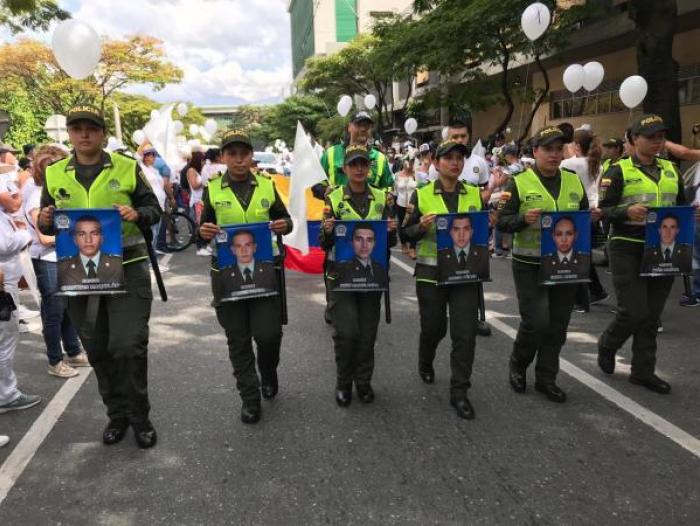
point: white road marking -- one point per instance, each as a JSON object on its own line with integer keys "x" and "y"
{"x": 402, "y": 265}
{"x": 23, "y": 453}
{"x": 641, "y": 413}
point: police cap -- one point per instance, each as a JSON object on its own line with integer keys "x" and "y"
{"x": 236, "y": 137}
{"x": 648, "y": 125}
{"x": 449, "y": 145}
{"x": 548, "y": 135}
{"x": 85, "y": 113}
{"x": 355, "y": 152}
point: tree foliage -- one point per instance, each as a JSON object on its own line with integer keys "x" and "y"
{"x": 19, "y": 15}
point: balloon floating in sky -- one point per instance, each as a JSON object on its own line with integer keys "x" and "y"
{"x": 593, "y": 74}
{"x": 139, "y": 137}
{"x": 182, "y": 109}
{"x": 633, "y": 90}
{"x": 370, "y": 101}
{"x": 77, "y": 48}
{"x": 573, "y": 78}
{"x": 535, "y": 20}
{"x": 411, "y": 125}
{"x": 344, "y": 105}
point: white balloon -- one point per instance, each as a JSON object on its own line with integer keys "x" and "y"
{"x": 344, "y": 105}
{"x": 535, "y": 20}
{"x": 370, "y": 101}
{"x": 411, "y": 125}
{"x": 633, "y": 90}
{"x": 139, "y": 137}
{"x": 178, "y": 126}
{"x": 194, "y": 143}
{"x": 77, "y": 48}
{"x": 112, "y": 141}
{"x": 194, "y": 129}
{"x": 593, "y": 73}
{"x": 210, "y": 126}
{"x": 445, "y": 133}
{"x": 182, "y": 109}
{"x": 574, "y": 77}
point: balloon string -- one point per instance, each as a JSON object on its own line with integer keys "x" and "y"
{"x": 522, "y": 105}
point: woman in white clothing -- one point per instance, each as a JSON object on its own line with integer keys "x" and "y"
{"x": 587, "y": 164}
{"x": 405, "y": 185}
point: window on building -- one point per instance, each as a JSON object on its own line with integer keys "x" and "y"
{"x": 345, "y": 20}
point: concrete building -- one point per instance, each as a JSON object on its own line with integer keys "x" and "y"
{"x": 321, "y": 27}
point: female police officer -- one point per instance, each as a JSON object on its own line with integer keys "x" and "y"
{"x": 627, "y": 189}
{"x": 355, "y": 315}
{"x": 445, "y": 195}
{"x": 545, "y": 310}
{"x": 240, "y": 197}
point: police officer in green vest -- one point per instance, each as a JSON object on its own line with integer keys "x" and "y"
{"x": 359, "y": 131}
{"x": 627, "y": 190}
{"x": 113, "y": 329}
{"x": 447, "y": 194}
{"x": 613, "y": 150}
{"x": 545, "y": 311}
{"x": 238, "y": 197}
{"x": 355, "y": 315}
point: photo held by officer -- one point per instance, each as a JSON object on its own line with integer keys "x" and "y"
{"x": 113, "y": 329}
{"x": 545, "y": 310}
{"x": 463, "y": 252}
{"x": 244, "y": 199}
{"x": 566, "y": 248}
{"x": 669, "y": 238}
{"x": 355, "y": 217}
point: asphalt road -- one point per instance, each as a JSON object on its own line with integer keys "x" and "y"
{"x": 406, "y": 459}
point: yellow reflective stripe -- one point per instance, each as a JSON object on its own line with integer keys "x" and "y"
{"x": 526, "y": 251}
{"x": 381, "y": 162}
{"x": 430, "y": 281}
{"x": 637, "y": 198}
{"x": 331, "y": 165}
{"x": 426, "y": 260}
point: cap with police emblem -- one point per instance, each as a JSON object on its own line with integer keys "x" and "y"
{"x": 449, "y": 145}
{"x": 361, "y": 116}
{"x": 548, "y": 135}
{"x": 648, "y": 125}
{"x": 236, "y": 137}
{"x": 355, "y": 152}
{"x": 614, "y": 142}
{"x": 85, "y": 113}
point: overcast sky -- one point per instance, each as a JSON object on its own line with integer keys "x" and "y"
{"x": 232, "y": 51}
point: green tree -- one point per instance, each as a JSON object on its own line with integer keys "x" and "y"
{"x": 27, "y": 121}
{"x": 280, "y": 121}
{"x": 19, "y": 15}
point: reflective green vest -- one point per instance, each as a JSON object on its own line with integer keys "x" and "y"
{"x": 228, "y": 208}
{"x": 113, "y": 185}
{"x": 641, "y": 189}
{"x": 377, "y": 164}
{"x": 343, "y": 210}
{"x": 534, "y": 195}
{"x": 606, "y": 164}
{"x": 431, "y": 203}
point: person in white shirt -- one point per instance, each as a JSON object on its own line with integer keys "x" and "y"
{"x": 423, "y": 164}
{"x": 405, "y": 185}
{"x": 13, "y": 239}
{"x": 587, "y": 163}
{"x": 213, "y": 166}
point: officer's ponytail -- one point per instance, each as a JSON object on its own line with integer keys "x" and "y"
{"x": 591, "y": 149}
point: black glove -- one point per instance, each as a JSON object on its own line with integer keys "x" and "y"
{"x": 7, "y": 305}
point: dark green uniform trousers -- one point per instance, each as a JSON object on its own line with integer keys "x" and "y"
{"x": 640, "y": 302}
{"x": 246, "y": 320}
{"x": 463, "y": 303}
{"x": 114, "y": 333}
{"x": 355, "y": 318}
{"x": 545, "y": 312}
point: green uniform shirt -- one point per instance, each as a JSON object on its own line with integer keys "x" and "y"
{"x": 333, "y": 160}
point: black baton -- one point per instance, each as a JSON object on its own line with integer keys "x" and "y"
{"x": 282, "y": 279}
{"x": 154, "y": 263}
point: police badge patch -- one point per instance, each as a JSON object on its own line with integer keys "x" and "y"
{"x": 442, "y": 223}
{"x": 62, "y": 222}
{"x": 114, "y": 185}
{"x": 341, "y": 230}
{"x": 222, "y": 237}
{"x": 265, "y": 203}
{"x": 546, "y": 221}
{"x": 651, "y": 217}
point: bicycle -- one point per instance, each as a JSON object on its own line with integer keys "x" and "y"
{"x": 180, "y": 231}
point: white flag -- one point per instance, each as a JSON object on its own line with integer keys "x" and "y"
{"x": 306, "y": 172}
{"x": 479, "y": 149}
{"x": 160, "y": 132}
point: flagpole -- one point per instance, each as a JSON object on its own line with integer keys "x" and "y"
{"x": 117, "y": 124}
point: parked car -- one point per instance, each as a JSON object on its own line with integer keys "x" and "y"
{"x": 268, "y": 162}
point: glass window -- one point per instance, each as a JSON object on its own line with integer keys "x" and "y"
{"x": 694, "y": 91}
{"x": 557, "y": 110}
{"x": 577, "y": 107}
{"x": 616, "y": 104}
{"x": 589, "y": 105}
{"x": 604, "y": 102}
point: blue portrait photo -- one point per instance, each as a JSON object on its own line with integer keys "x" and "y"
{"x": 565, "y": 247}
{"x": 668, "y": 246}
{"x": 462, "y": 247}
{"x": 89, "y": 251}
{"x": 361, "y": 256}
{"x": 245, "y": 263}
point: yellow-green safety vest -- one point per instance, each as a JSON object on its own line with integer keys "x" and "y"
{"x": 113, "y": 185}
{"x": 431, "y": 203}
{"x": 641, "y": 189}
{"x": 533, "y": 194}
{"x": 343, "y": 210}
{"x": 376, "y": 173}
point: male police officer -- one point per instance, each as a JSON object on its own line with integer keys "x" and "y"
{"x": 627, "y": 190}
{"x": 545, "y": 311}
{"x": 359, "y": 132}
{"x": 355, "y": 315}
{"x": 113, "y": 329}
{"x": 445, "y": 195}
{"x": 240, "y": 197}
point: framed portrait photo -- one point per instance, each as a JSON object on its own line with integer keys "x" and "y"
{"x": 462, "y": 248}
{"x": 565, "y": 247}
{"x": 668, "y": 241}
{"x": 361, "y": 257}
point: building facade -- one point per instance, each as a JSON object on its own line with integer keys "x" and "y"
{"x": 322, "y": 27}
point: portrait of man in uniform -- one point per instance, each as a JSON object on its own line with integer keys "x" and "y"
{"x": 565, "y": 263}
{"x": 362, "y": 272}
{"x": 91, "y": 266}
{"x": 247, "y": 275}
{"x": 669, "y": 255}
{"x": 464, "y": 261}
